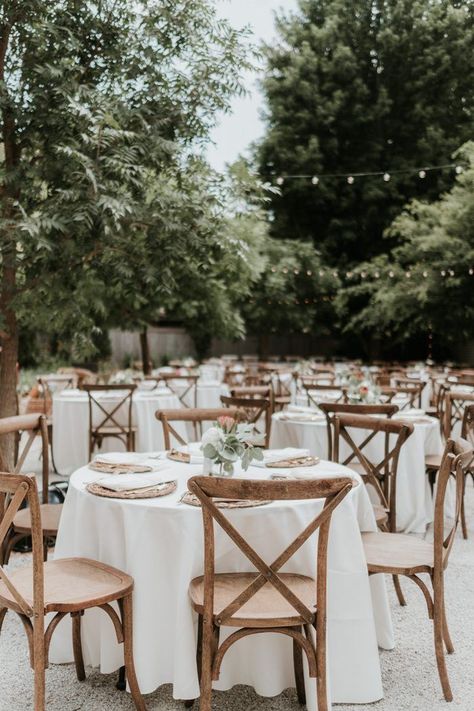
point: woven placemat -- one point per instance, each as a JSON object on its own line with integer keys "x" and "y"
{"x": 115, "y": 468}
{"x": 293, "y": 463}
{"x": 151, "y": 492}
{"x": 176, "y": 456}
{"x": 192, "y": 500}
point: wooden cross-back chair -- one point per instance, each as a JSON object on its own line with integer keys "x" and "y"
{"x": 30, "y": 426}
{"x": 281, "y": 383}
{"x": 409, "y": 556}
{"x": 196, "y": 416}
{"x": 317, "y": 393}
{"x": 332, "y": 409}
{"x": 412, "y": 389}
{"x": 110, "y": 425}
{"x": 381, "y": 475}
{"x": 189, "y": 381}
{"x": 51, "y": 384}
{"x": 260, "y": 392}
{"x": 456, "y": 402}
{"x": 266, "y": 600}
{"x": 467, "y": 434}
{"x": 254, "y": 412}
{"x": 64, "y": 587}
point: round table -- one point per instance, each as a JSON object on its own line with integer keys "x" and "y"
{"x": 71, "y": 423}
{"x": 414, "y": 499}
{"x": 160, "y": 543}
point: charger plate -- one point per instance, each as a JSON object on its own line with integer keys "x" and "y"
{"x": 192, "y": 500}
{"x": 177, "y": 456}
{"x": 151, "y": 492}
{"x": 116, "y": 468}
{"x": 293, "y": 463}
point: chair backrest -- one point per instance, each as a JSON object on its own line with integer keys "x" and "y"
{"x": 189, "y": 386}
{"x": 332, "y": 409}
{"x": 455, "y": 405}
{"x": 260, "y": 392}
{"x": 253, "y": 411}
{"x": 333, "y": 491}
{"x": 109, "y": 410}
{"x": 33, "y": 425}
{"x": 195, "y": 415}
{"x": 50, "y": 384}
{"x": 456, "y": 460}
{"x": 467, "y": 428}
{"x": 14, "y": 490}
{"x": 382, "y": 475}
{"x": 413, "y": 390}
{"x": 317, "y": 393}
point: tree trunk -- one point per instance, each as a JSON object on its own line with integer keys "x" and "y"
{"x": 145, "y": 348}
{"x": 8, "y": 362}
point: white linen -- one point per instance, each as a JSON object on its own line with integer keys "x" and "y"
{"x": 71, "y": 424}
{"x": 131, "y": 482}
{"x": 277, "y": 455}
{"x": 160, "y": 543}
{"x": 414, "y": 499}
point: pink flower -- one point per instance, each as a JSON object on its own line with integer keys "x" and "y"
{"x": 226, "y": 423}
{"x": 363, "y": 389}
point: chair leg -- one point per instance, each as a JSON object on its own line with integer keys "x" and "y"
{"x": 439, "y": 631}
{"x": 447, "y": 637}
{"x": 39, "y": 667}
{"x": 321, "y": 681}
{"x": 398, "y": 590}
{"x": 77, "y": 645}
{"x": 206, "y": 666}
{"x": 3, "y": 612}
{"x": 299, "y": 675}
{"x": 127, "y": 624}
{"x": 463, "y": 511}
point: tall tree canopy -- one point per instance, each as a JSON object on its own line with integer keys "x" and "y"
{"x": 426, "y": 286}
{"x": 359, "y": 86}
{"x": 100, "y": 103}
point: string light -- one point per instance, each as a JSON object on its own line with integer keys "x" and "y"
{"x": 386, "y": 175}
{"x": 350, "y": 179}
{"x": 422, "y": 174}
{"x": 459, "y": 169}
{"x": 315, "y": 180}
{"x": 280, "y": 180}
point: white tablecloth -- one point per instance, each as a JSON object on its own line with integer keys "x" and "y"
{"x": 160, "y": 543}
{"x": 414, "y": 500}
{"x": 71, "y": 424}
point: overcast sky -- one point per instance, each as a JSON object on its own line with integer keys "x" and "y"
{"x": 243, "y": 125}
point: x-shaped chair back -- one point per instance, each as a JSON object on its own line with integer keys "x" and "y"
{"x": 253, "y": 411}
{"x": 34, "y": 425}
{"x": 190, "y": 387}
{"x": 315, "y": 392}
{"x": 14, "y": 490}
{"x": 333, "y": 409}
{"x": 381, "y": 475}
{"x": 412, "y": 389}
{"x": 467, "y": 429}
{"x": 197, "y": 416}
{"x": 455, "y": 406}
{"x": 333, "y": 491}
{"x": 109, "y": 411}
{"x": 281, "y": 380}
{"x": 50, "y": 384}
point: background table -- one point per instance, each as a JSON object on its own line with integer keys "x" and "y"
{"x": 414, "y": 499}
{"x": 160, "y": 543}
{"x": 71, "y": 423}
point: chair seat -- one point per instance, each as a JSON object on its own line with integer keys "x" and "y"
{"x": 433, "y": 461}
{"x": 381, "y": 514}
{"x": 111, "y": 430}
{"x": 70, "y": 584}
{"x": 50, "y": 515}
{"x": 397, "y": 553}
{"x": 265, "y": 609}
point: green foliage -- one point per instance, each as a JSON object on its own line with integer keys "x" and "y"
{"x": 436, "y": 249}
{"x": 358, "y": 86}
{"x": 105, "y": 216}
{"x": 293, "y": 292}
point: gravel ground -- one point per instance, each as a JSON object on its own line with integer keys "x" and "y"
{"x": 409, "y": 671}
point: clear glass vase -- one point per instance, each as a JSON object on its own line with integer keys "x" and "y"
{"x": 213, "y": 467}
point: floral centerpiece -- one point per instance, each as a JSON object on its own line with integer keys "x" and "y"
{"x": 228, "y": 442}
{"x": 361, "y": 389}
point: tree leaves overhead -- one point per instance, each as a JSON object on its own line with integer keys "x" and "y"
{"x": 358, "y": 86}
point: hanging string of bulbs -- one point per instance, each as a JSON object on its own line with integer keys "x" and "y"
{"x": 386, "y": 175}
{"x": 392, "y": 272}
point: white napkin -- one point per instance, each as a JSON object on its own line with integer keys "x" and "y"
{"x": 277, "y": 455}
{"x": 130, "y": 482}
{"x": 194, "y": 451}
{"x": 135, "y": 458}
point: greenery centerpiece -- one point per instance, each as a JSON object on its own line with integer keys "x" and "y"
{"x": 228, "y": 442}
{"x": 361, "y": 389}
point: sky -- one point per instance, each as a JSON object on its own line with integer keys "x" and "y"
{"x": 237, "y": 129}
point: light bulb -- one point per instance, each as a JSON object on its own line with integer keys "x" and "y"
{"x": 459, "y": 169}
{"x": 350, "y": 179}
{"x": 280, "y": 180}
{"x": 422, "y": 174}
{"x": 315, "y": 180}
{"x": 386, "y": 177}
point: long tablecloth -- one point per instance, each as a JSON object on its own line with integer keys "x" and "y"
{"x": 160, "y": 543}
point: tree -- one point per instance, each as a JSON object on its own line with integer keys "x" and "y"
{"x": 100, "y": 104}
{"x": 359, "y": 86}
{"x": 293, "y": 293}
{"x": 426, "y": 285}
